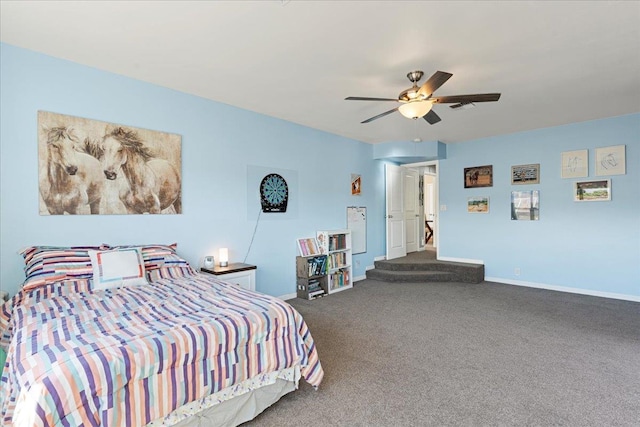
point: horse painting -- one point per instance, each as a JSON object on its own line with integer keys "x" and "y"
{"x": 70, "y": 180}
{"x": 153, "y": 184}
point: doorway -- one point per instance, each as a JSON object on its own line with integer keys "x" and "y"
{"x": 411, "y": 201}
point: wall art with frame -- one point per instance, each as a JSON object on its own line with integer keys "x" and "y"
{"x": 525, "y": 205}
{"x": 525, "y": 174}
{"x": 575, "y": 164}
{"x": 592, "y": 191}
{"x": 478, "y": 176}
{"x": 610, "y": 160}
{"x": 478, "y": 204}
{"x": 356, "y": 184}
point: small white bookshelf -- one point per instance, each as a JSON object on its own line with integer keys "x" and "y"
{"x": 336, "y": 244}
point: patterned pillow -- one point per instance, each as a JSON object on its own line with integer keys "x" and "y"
{"x": 118, "y": 267}
{"x": 154, "y": 256}
{"x": 47, "y": 264}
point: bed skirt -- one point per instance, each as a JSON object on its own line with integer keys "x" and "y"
{"x": 237, "y": 404}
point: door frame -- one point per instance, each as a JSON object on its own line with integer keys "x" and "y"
{"x": 436, "y": 231}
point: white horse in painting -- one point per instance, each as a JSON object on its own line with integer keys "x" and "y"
{"x": 70, "y": 179}
{"x": 153, "y": 184}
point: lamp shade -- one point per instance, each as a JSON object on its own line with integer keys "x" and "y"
{"x": 224, "y": 257}
{"x": 415, "y": 109}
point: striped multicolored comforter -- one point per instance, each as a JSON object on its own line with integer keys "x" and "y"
{"x": 127, "y": 356}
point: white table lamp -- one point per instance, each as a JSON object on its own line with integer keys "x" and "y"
{"x": 224, "y": 257}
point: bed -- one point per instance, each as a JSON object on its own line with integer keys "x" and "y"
{"x": 92, "y": 338}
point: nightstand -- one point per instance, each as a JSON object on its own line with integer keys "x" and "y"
{"x": 241, "y": 274}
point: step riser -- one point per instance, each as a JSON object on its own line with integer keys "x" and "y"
{"x": 418, "y": 278}
{"x": 426, "y": 267}
{"x": 427, "y": 272}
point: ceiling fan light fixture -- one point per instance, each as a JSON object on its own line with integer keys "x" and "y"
{"x": 415, "y": 109}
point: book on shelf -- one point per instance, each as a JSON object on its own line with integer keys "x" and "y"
{"x": 308, "y": 246}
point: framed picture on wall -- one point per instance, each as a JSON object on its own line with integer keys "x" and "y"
{"x": 478, "y": 176}
{"x": 575, "y": 164}
{"x": 525, "y": 174}
{"x": 592, "y": 191}
{"x": 356, "y": 184}
{"x": 478, "y": 204}
{"x": 525, "y": 205}
{"x": 610, "y": 160}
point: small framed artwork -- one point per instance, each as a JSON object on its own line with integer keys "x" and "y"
{"x": 525, "y": 174}
{"x": 610, "y": 160}
{"x": 592, "y": 191}
{"x": 356, "y": 184}
{"x": 525, "y": 205}
{"x": 575, "y": 164}
{"x": 478, "y": 205}
{"x": 478, "y": 176}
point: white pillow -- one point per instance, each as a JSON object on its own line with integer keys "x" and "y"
{"x": 116, "y": 268}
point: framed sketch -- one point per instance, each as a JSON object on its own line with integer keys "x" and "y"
{"x": 592, "y": 191}
{"x": 525, "y": 174}
{"x": 356, "y": 184}
{"x": 610, "y": 160}
{"x": 575, "y": 164}
{"x": 478, "y": 204}
{"x": 478, "y": 176}
{"x": 525, "y": 205}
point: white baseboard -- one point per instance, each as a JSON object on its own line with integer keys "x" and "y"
{"x": 592, "y": 293}
{"x": 288, "y": 296}
{"x": 465, "y": 260}
{"x": 358, "y": 278}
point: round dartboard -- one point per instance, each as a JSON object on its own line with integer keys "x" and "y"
{"x": 274, "y": 193}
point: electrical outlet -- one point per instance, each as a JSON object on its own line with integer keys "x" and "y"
{"x": 358, "y": 264}
{"x": 517, "y": 271}
{"x": 443, "y": 208}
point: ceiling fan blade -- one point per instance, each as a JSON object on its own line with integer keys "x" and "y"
{"x": 465, "y": 99}
{"x": 361, "y": 98}
{"x": 435, "y": 81}
{"x": 380, "y": 115}
{"x": 432, "y": 118}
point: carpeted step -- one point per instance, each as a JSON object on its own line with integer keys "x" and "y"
{"x": 462, "y": 272}
{"x": 412, "y": 276}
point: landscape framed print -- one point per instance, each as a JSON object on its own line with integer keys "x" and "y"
{"x": 592, "y": 191}
{"x": 478, "y": 204}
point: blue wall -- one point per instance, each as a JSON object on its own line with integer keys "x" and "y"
{"x": 591, "y": 247}
{"x": 583, "y": 247}
{"x": 222, "y": 148}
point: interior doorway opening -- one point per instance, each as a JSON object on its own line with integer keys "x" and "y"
{"x": 412, "y": 208}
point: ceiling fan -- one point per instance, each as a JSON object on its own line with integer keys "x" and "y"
{"x": 417, "y": 101}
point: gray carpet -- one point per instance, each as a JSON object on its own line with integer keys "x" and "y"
{"x": 452, "y": 354}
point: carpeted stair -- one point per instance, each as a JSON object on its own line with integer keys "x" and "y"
{"x": 421, "y": 267}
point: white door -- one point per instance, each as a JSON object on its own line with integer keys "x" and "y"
{"x": 411, "y": 209}
{"x": 396, "y": 247}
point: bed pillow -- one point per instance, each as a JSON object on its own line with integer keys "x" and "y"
{"x": 48, "y": 264}
{"x": 154, "y": 256}
{"x": 118, "y": 267}
{"x": 173, "y": 267}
